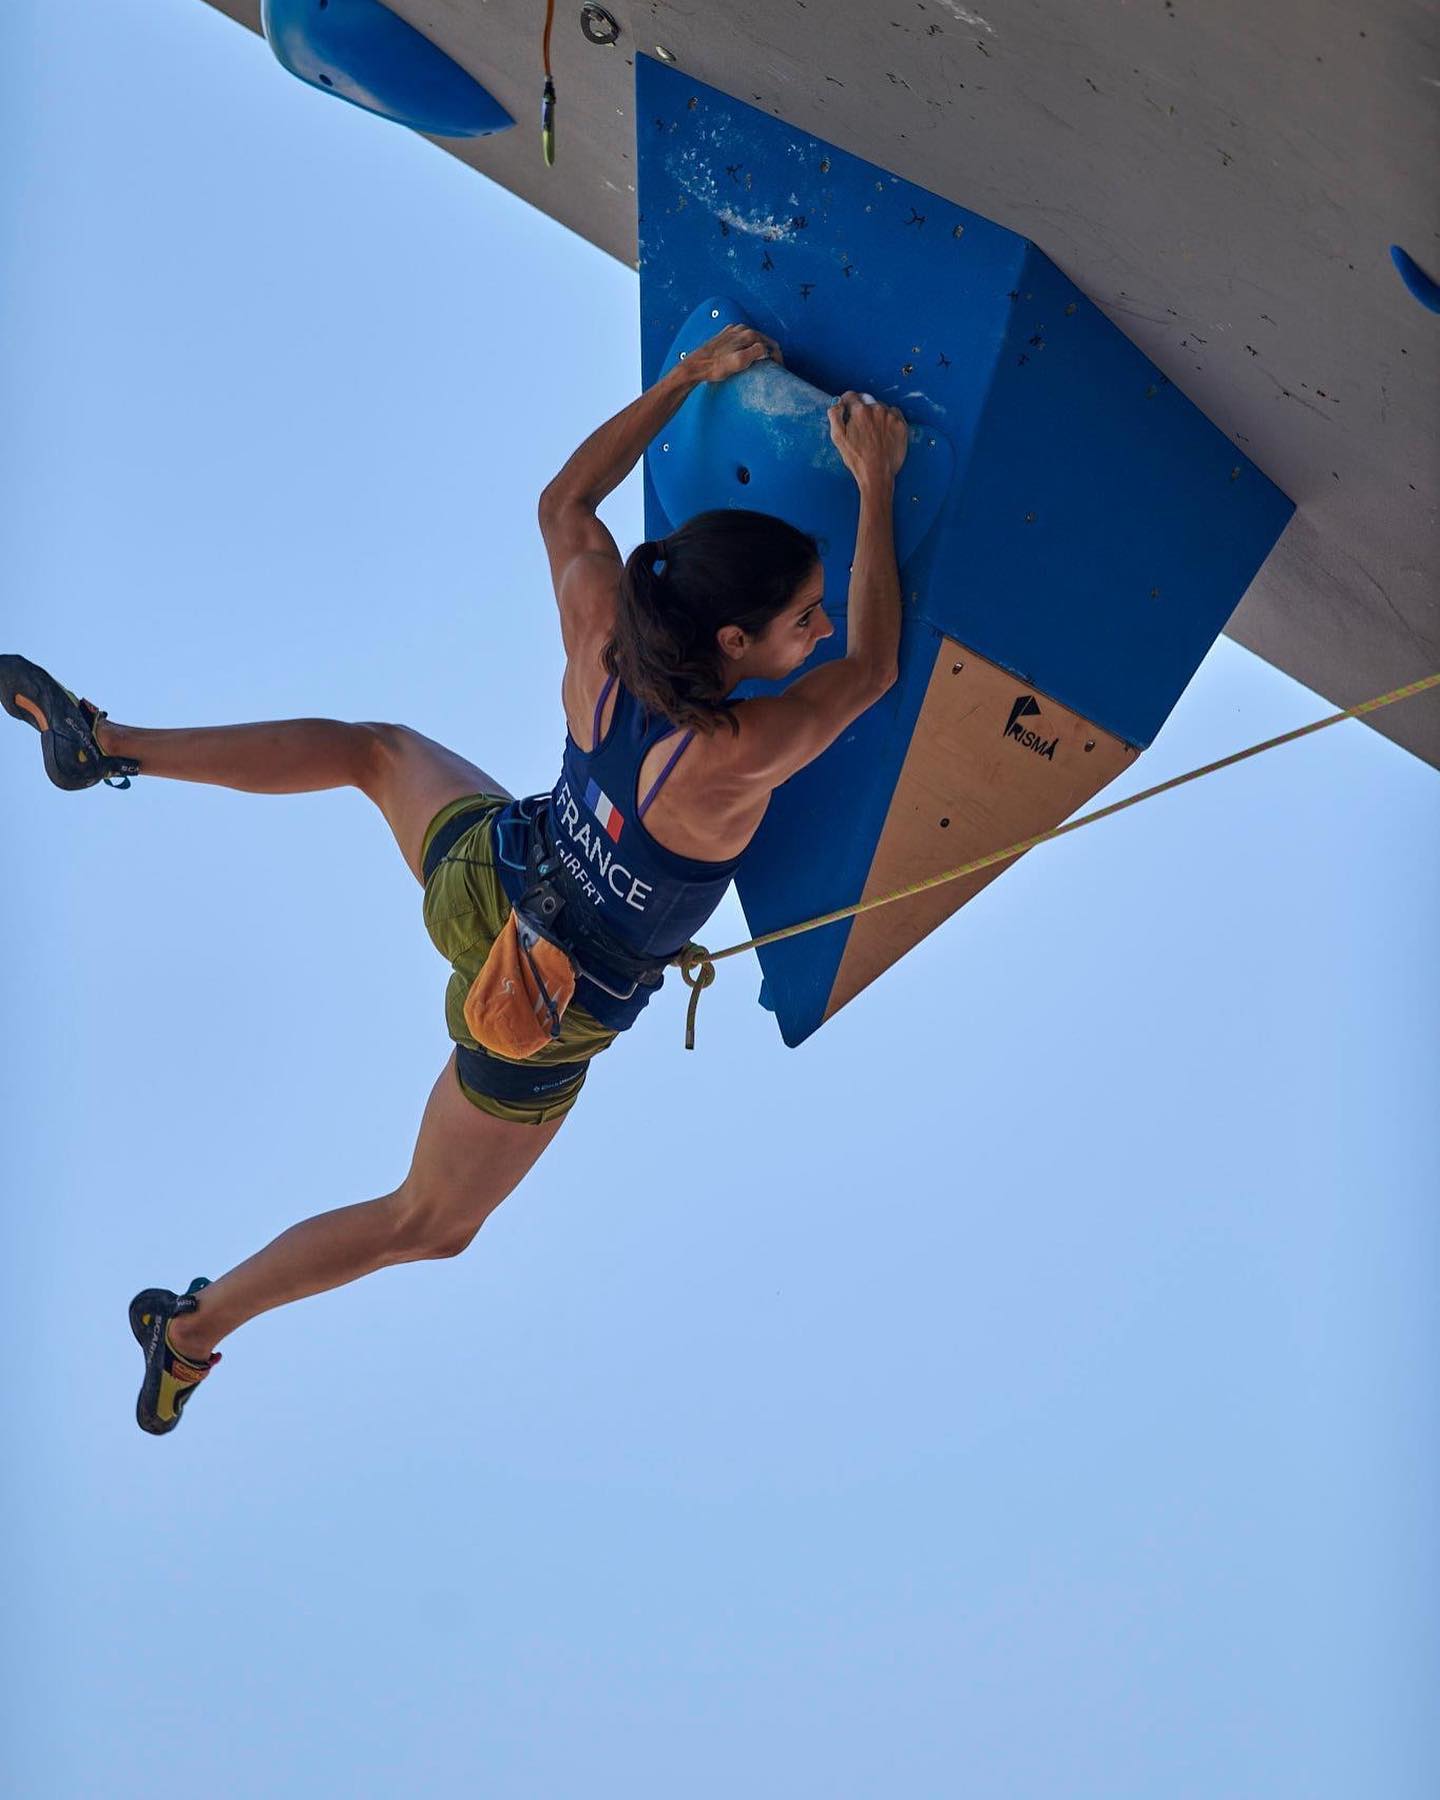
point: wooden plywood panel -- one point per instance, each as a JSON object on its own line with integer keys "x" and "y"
{"x": 992, "y": 761}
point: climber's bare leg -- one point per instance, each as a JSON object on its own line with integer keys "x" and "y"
{"x": 408, "y": 776}
{"x": 465, "y": 1163}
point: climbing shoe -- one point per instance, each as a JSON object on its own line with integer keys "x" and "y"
{"x": 170, "y": 1378}
{"x": 72, "y": 754}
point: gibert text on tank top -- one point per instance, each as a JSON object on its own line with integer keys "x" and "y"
{"x": 650, "y": 898}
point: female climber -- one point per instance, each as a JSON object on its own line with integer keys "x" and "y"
{"x": 557, "y": 913}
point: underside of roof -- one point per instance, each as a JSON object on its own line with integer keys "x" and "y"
{"x": 1224, "y": 181}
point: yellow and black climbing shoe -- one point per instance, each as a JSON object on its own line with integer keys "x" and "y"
{"x": 73, "y": 757}
{"x": 170, "y": 1378}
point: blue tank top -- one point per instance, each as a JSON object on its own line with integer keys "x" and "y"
{"x": 650, "y": 898}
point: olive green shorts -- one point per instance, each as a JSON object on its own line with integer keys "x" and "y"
{"x": 465, "y": 909}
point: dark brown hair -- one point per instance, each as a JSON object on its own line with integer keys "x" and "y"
{"x": 729, "y": 567}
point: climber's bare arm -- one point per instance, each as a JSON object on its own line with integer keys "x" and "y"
{"x": 572, "y": 531}
{"x": 567, "y": 506}
{"x": 779, "y": 736}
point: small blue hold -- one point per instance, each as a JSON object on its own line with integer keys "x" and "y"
{"x": 360, "y": 51}
{"x": 1426, "y": 291}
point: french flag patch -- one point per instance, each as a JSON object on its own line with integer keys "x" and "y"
{"x": 605, "y": 810}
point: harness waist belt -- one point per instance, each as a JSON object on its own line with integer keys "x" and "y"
{"x": 554, "y": 903}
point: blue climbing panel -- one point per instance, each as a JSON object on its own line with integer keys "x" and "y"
{"x": 360, "y": 51}
{"x": 1064, "y": 510}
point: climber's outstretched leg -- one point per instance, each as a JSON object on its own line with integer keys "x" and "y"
{"x": 464, "y": 1165}
{"x": 409, "y": 777}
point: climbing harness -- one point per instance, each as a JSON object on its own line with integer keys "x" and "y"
{"x": 697, "y": 964}
{"x": 517, "y": 1000}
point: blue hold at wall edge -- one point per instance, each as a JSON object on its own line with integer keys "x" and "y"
{"x": 360, "y": 51}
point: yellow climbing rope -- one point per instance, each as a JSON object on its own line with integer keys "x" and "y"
{"x": 697, "y": 964}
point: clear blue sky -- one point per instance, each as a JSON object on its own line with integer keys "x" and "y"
{"x": 1026, "y": 1389}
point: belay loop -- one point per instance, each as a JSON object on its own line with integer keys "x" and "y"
{"x": 697, "y": 971}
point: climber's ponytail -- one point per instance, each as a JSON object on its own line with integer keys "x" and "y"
{"x": 728, "y": 567}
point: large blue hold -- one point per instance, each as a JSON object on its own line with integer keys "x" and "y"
{"x": 1098, "y": 530}
{"x": 769, "y": 431}
{"x": 360, "y": 51}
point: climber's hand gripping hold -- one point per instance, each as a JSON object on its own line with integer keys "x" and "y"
{"x": 871, "y": 438}
{"x": 731, "y": 351}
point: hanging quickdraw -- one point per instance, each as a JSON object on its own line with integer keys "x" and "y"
{"x": 547, "y": 95}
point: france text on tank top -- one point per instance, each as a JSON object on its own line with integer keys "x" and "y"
{"x": 653, "y": 899}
